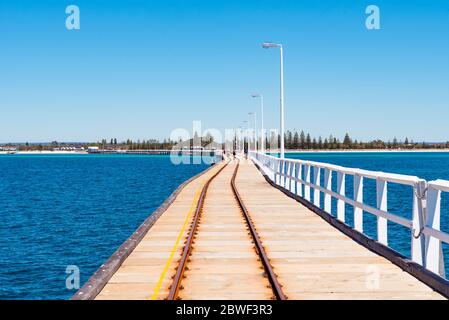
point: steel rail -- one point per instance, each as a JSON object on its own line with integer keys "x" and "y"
{"x": 174, "y": 289}
{"x": 272, "y": 278}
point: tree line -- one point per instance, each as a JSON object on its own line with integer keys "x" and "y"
{"x": 130, "y": 144}
{"x": 154, "y": 144}
{"x": 295, "y": 140}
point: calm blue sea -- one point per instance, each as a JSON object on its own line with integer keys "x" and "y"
{"x": 62, "y": 210}
{"x": 426, "y": 165}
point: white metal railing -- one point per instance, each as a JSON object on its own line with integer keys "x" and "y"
{"x": 426, "y": 245}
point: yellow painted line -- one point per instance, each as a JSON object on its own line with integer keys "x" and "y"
{"x": 175, "y": 247}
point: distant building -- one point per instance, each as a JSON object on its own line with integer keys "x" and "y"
{"x": 69, "y": 148}
{"x": 7, "y": 148}
{"x": 93, "y": 149}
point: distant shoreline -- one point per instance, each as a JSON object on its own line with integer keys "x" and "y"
{"x": 44, "y": 152}
{"x": 48, "y": 152}
{"x": 363, "y": 150}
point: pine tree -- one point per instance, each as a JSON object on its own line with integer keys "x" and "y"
{"x": 336, "y": 143}
{"x": 296, "y": 140}
{"x": 308, "y": 142}
{"x": 289, "y": 142}
{"x": 347, "y": 141}
{"x": 302, "y": 140}
{"x": 196, "y": 141}
{"x": 331, "y": 142}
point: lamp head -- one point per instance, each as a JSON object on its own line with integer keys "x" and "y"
{"x": 267, "y": 45}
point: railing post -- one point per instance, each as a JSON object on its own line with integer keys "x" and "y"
{"x": 341, "y": 191}
{"x": 282, "y": 171}
{"x": 267, "y": 166}
{"x": 434, "y": 261}
{"x": 419, "y": 207}
{"x": 278, "y": 171}
{"x": 382, "y": 223}
{"x": 299, "y": 176}
{"x": 282, "y": 182}
{"x": 307, "y": 179}
{"x": 291, "y": 167}
{"x": 295, "y": 170}
{"x": 286, "y": 172}
{"x": 327, "y": 186}
{"x": 316, "y": 181}
{"x": 358, "y": 196}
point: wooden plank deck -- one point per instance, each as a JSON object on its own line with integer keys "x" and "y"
{"x": 312, "y": 259}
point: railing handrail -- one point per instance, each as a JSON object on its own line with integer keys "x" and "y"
{"x": 424, "y": 225}
{"x": 390, "y": 177}
{"x": 442, "y": 185}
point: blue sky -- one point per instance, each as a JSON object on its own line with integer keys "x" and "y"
{"x": 139, "y": 69}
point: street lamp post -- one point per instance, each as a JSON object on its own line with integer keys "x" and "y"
{"x": 262, "y": 145}
{"x": 250, "y": 136}
{"x": 255, "y": 128}
{"x": 268, "y": 45}
{"x": 236, "y": 140}
{"x": 240, "y": 138}
{"x": 256, "y": 135}
{"x": 246, "y": 137}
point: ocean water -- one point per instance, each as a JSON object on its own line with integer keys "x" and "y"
{"x": 426, "y": 165}
{"x": 61, "y": 210}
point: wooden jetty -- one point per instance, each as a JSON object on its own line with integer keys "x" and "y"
{"x": 174, "y": 152}
{"x": 232, "y": 233}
